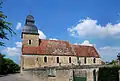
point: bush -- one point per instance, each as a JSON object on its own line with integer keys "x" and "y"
{"x": 8, "y": 66}
{"x": 109, "y": 73}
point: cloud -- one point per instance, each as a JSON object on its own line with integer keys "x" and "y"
{"x": 18, "y": 44}
{"x": 86, "y": 43}
{"x": 109, "y": 53}
{"x": 90, "y": 28}
{"x": 53, "y": 39}
{"x": 13, "y": 51}
{"x": 41, "y": 35}
{"x": 19, "y": 26}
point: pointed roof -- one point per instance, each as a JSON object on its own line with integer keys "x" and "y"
{"x": 29, "y": 27}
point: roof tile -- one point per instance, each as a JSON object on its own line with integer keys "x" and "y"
{"x": 58, "y": 47}
{"x": 85, "y": 51}
{"x": 54, "y": 47}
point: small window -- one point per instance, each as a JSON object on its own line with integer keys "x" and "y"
{"x": 30, "y": 42}
{"x": 94, "y": 60}
{"x": 57, "y": 59}
{"x": 51, "y": 72}
{"x": 69, "y": 59}
{"x": 78, "y": 58}
{"x": 85, "y": 60}
{"x": 37, "y": 59}
{"x": 45, "y": 59}
{"x": 79, "y": 61}
{"x": 39, "y": 41}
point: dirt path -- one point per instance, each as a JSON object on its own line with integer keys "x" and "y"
{"x": 13, "y": 77}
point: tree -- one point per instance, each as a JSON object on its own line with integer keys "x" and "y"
{"x": 1, "y": 61}
{"x": 113, "y": 62}
{"x": 5, "y": 27}
{"x": 8, "y": 66}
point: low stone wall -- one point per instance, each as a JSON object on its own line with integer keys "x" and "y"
{"x": 42, "y": 75}
{"x": 57, "y": 75}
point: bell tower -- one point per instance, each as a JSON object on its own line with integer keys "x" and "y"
{"x": 30, "y": 35}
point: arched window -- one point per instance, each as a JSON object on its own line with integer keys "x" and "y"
{"x": 85, "y": 60}
{"x": 37, "y": 59}
{"x": 57, "y": 59}
{"x": 69, "y": 59}
{"x": 30, "y": 41}
{"x": 94, "y": 60}
{"x": 79, "y": 61}
{"x": 45, "y": 59}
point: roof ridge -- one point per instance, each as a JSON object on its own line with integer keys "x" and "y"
{"x": 82, "y": 45}
{"x": 55, "y": 40}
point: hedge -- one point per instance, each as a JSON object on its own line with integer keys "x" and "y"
{"x": 109, "y": 73}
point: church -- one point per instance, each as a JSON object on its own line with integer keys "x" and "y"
{"x": 38, "y": 52}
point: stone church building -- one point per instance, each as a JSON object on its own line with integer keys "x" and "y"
{"x": 38, "y": 52}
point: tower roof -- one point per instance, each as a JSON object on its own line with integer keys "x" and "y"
{"x": 30, "y": 17}
{"x": 29, "y": 26}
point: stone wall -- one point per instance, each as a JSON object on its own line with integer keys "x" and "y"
{"x": 34, "y": 40}
{"x": 32, "y": 61}
{"x": 60, "y": 75}
{"x": 89, "y": 61}
{"x": 42, "y": 75}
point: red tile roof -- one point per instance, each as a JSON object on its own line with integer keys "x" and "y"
{"x": 85, "y": 51}
{"x": 54, "y": 47}
{"x": 58, "y": 47}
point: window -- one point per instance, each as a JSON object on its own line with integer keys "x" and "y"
{"x": 69, "y": 59}
{"x": 85, "y": 60}
{"x": 79, "y": 61}
{"x": 39, "y": 41}
{"x": 37, "y": 59}
{"x": 51, "y": 72}
{"x": 78, "y": 58}
{"x": 30, "y": 42}
{"x": 94, "y": 60}
{"x": 57, "y": 59}
{"x": 45, "y": 59}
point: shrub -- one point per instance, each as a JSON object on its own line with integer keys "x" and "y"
{"x": 8, "y": 66}
{"x": 109, "y": 73}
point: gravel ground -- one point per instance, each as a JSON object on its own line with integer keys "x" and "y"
{"x": 13, "y": 77}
